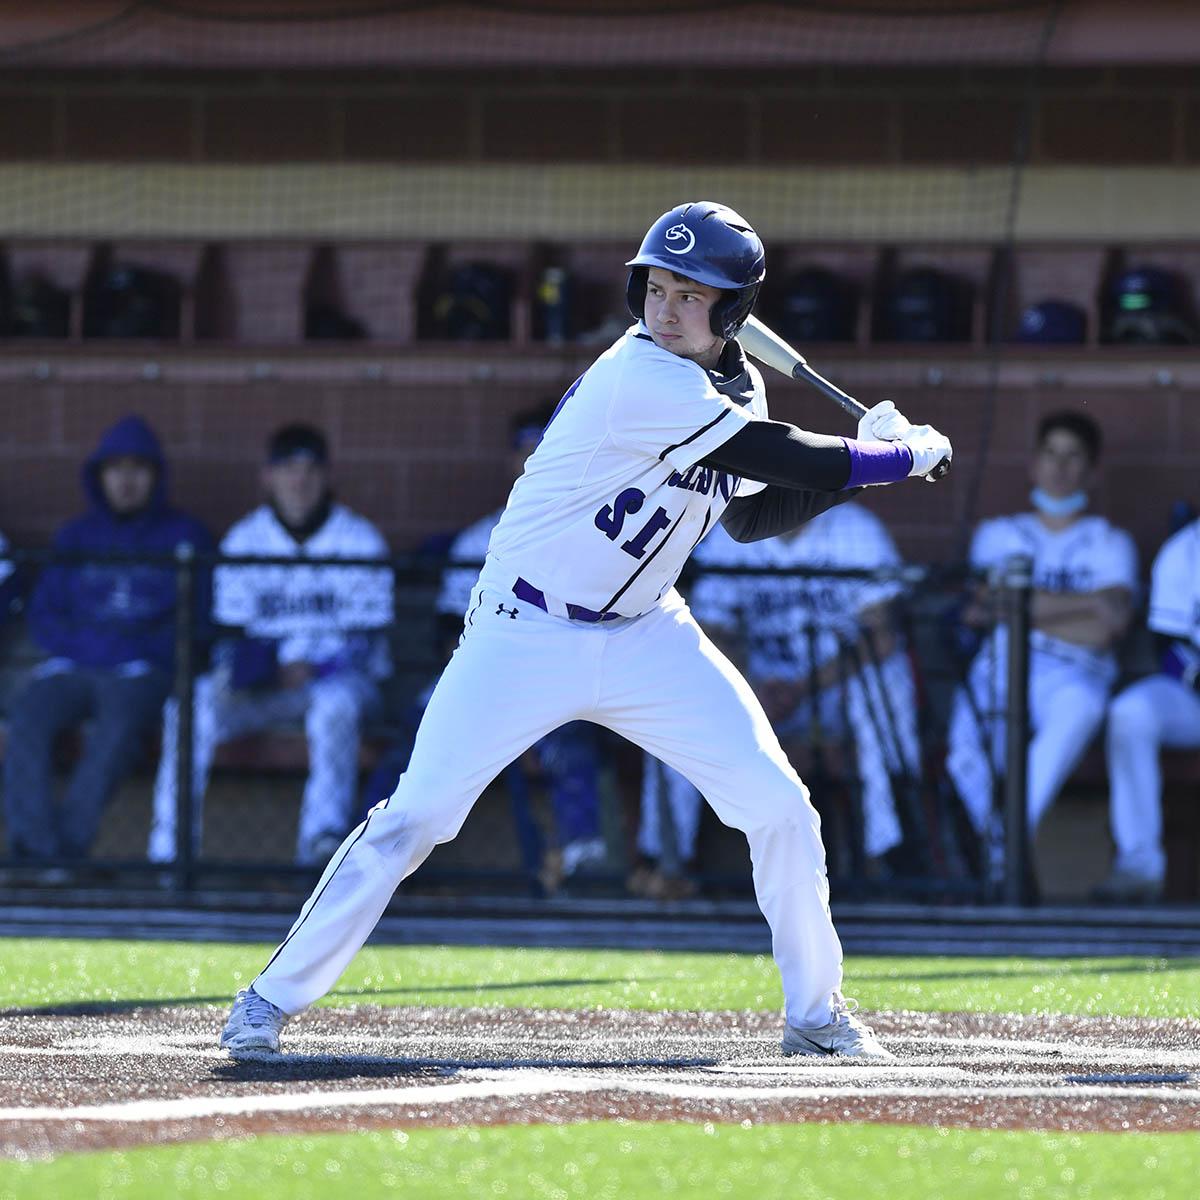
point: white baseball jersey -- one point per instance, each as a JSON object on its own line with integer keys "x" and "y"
{"x": 1175, "y": 586}
{"x": 469, "y": 547}
{"x": 1086, "y": 556}
{"x": 318, "y": 613}
{"x": 613, "y": 500}
{"x": 777, "y": 610}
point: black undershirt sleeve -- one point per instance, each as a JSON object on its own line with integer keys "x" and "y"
{"x": 805, "y": 474}
{"x": 775, "y": 452}
{"x": 777, "y": 510}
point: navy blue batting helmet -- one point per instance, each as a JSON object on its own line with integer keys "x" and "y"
{"x": 711, "y": 244}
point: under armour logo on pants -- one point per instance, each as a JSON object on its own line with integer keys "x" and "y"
{"x": 512, "y": 612}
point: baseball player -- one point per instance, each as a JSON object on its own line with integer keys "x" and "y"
{"x": 1162, "y": 710}
{"x": 575, "y": 616}
{"x": 107, "y": 632}
{"x": 314, "y": 649}
{"x": 1084, "y": 581}
{"x": 820, "y": 650}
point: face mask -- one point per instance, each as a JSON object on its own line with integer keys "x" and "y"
{"x": 1058, "y": 506}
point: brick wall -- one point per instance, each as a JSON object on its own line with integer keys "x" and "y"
{"x": 418, "y": 458}
{"x": 424, "y": 448}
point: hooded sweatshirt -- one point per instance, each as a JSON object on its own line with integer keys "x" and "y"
{"x": 108, "y": 614}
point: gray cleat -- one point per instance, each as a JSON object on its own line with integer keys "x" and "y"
{"x": 844, "y": 1037}
{"x": 253, "y": 1025}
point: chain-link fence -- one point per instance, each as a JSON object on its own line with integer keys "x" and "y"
{"x": 269, "y": 702}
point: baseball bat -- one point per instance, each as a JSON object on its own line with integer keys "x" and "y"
{"x": 768, "y": 347}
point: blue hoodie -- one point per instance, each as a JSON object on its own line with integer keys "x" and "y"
{"x": 107, "y": 614}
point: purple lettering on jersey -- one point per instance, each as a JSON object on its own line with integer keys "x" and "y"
{"x": 637, "y": 545}
{"x": 705, "y": 480}
{"x": 612, "y": 516}
{"x": 877, "y": 462}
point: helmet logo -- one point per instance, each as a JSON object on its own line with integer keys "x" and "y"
{"x": 681, "y": 234}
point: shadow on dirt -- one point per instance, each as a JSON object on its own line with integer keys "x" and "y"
{"x": 291, "y": 1068}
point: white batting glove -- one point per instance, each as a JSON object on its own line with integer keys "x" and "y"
{"x": 883, "y": 423}
{"x": 928, "y": 447}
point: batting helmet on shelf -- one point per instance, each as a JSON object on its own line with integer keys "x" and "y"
{"x": 711, "y": 244}
{"x": 1053, "y": 321}
{"x": 1148, "y": 305}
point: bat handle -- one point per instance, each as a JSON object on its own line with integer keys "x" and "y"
{"x": 854, "y": 407}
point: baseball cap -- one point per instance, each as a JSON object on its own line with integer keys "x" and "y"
{"x": 297, "y": 441}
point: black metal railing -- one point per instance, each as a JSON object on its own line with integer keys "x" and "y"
{"x": 944, "y": 857}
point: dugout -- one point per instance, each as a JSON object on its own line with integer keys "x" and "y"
{"x": 289, "y": 158}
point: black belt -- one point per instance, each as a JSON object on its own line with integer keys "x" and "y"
{"x": 575, "y": 612}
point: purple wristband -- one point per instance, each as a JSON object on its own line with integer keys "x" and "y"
{"x": 877, "y": 462}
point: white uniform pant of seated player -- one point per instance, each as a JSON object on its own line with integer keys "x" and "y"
{"x": 519, "y": 672}
{"x": 664, "y": 788}
{"x": 879, "y": 708}
{"x": 878, "y": 711}
{"x": 1152, "y": 713}
{"x": 1067, "y": 699}
{"x": 332, "y": 710}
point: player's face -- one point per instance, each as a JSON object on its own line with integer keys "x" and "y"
{"x": 296, "y": 486}
{"x": 127, "y": 483}
{"x": 676, "y": 314}
{"x": 1061, "y": 466}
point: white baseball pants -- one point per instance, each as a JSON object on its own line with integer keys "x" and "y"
{"x": 1067, "y": 699}
{"x": 1152, "y": 713}
{"x": 657, "y": 680}
{"x": 331, "y": 710}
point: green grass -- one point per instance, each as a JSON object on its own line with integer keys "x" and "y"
{"x": 629, "y": 1161}
{"x": 38, "y": 973}
{"x": 621, "y": 1160}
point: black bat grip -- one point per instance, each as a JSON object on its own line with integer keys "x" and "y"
{"x": 854, "y": 407}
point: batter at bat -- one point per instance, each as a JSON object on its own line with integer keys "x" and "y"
{"x": 575, "y": 617}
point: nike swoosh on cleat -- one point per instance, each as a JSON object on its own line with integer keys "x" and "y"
{"x": 817, "y": 1046}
